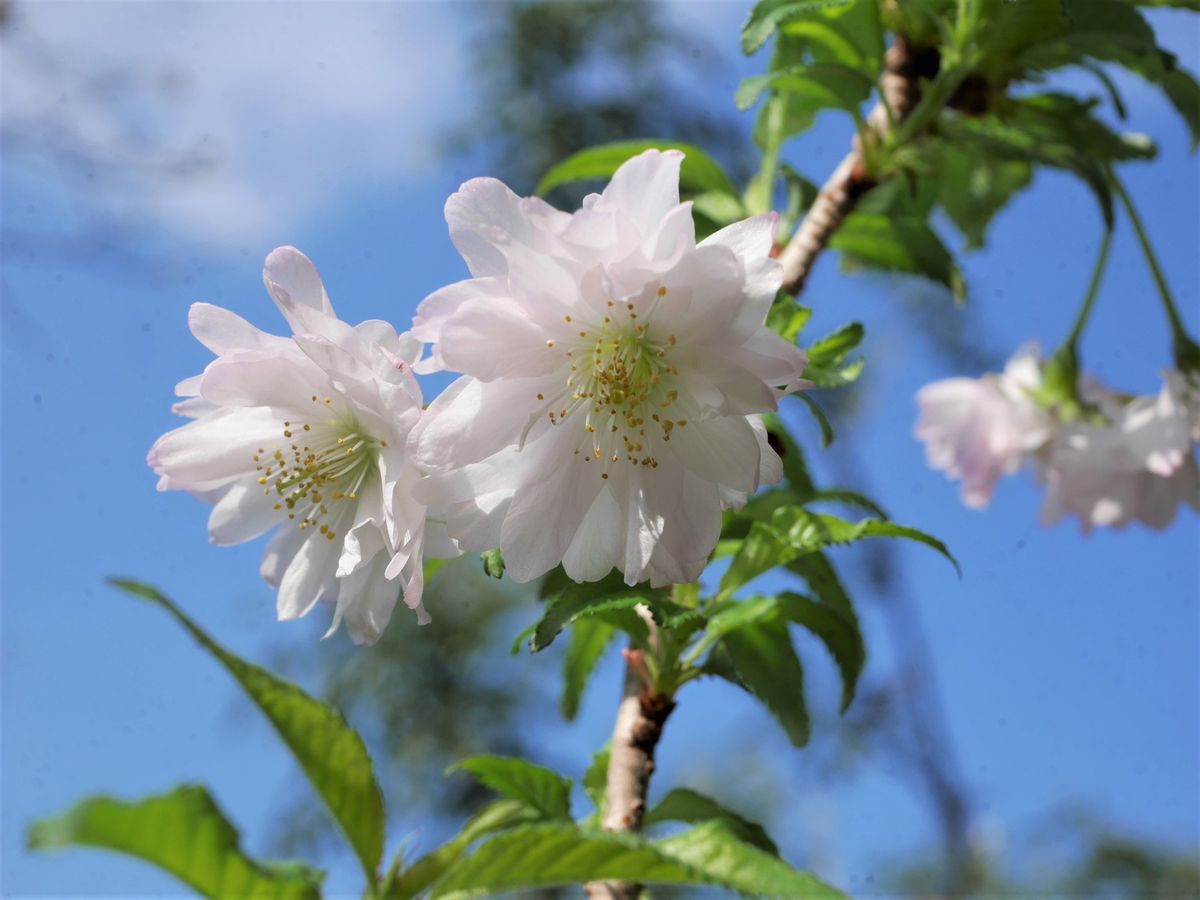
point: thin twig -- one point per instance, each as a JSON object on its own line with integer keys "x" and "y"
{"x": 849, "y": 181}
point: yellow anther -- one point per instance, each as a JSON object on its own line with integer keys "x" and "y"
{"x": 662, "y": 292}
{"x": 549, "y": 343}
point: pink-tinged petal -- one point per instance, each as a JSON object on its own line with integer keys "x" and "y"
{"x": 776, "y": 362}
{"x": 189, "y": 387}
{"x": 213, "y": 450}
{"x": 484, "y": 213}
{"x": 494, "y": 340}
{"x": 222, "y": 331}
{"x": 193, "y": 407}
{"x": 293, "y": 283}
{"x": 596, "y": 547}
{"x": 243, "y": 513}
{"x": 645, "y": 189}
{"x": 692, "y": 526}
{"x": 751, "y": 241}
{"x": 476, "y": 523}
{"x": 676, "y": 234}
{"x": 471, "y": 420}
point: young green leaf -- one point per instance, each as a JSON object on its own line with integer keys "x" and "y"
{"x": 699, "y": 174}
{"x": 595, "y": 779}
{"x": 183, "y": 833}
{"x": 767, "y": 15}
{"x": 618, "y": 611}
{"x": 589, "y": 639}
{"x": 493, "y": 563}
{"x": 826, "y": 85}
{"x": 692, "y": 807}
{"x": 536, "y": 786}
{"x": 329, "y": 751}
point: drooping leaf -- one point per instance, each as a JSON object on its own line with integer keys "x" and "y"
{"x": 183, "y": 833}
{"x": 766, "y": 16}
{"x": 617, "y": 610}
{"x": 328, "y": 750}
{"x": 787, "y": 318}
{"x": 825, "y": 85}
{"x": 699, "y": 174}
{"x": 767, "y": 666}
{"x": 692, "y": 807}
{"x": 837, "y": 630}
{"x": 536, "y": 786}
{"x": 589, "y": 639}
{"x": 849, "y": 498}
{"x": 730, "y": 617}
{"x": 403, "y": 884}
{"x": 973, "y": 186}
{"x": 906, "y": 245}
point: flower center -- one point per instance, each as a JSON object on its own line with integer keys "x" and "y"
{"x": 322, "y": 464}
{"x": 619, "y": 384}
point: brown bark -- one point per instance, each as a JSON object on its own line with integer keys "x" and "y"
{"x": 636, "y": 732}
{"x": 849, "y": 181}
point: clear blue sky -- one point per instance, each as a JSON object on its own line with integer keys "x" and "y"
{"x": 1069, "y": 666}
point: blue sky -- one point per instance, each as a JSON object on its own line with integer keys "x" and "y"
{"x": 1068, "y": 665}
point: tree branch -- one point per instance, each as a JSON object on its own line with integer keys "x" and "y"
{"x": 850, "y": 180}
{"x": 636, "y": 732}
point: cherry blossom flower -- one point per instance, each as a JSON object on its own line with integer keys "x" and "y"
{"x": 615, "y": 373}
{"x": 1136, "y": 464}
{"x": 306, "y": 436}
{"x": 978, "y": 429}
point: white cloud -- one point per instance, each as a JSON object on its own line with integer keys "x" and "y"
{"x": 297, "y": 103}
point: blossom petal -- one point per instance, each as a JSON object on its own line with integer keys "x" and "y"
{"x": 293, "y": 283}
{"x": 646, "y": 188}
{"x": 242, "y": 514}
{"x": 596, "y": 547}
{"x": 212, "y": 450}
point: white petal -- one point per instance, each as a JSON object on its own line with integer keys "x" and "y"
{"x": 281, "y": 550}
{"x": 293, "y": 283}
{"x": 597, "y": 545}
{"x": 721, "y": 451}
{"x": 222, "y": 331}
{"x": 256, "y": 379}
{"x": 309, "y": 576}
{"x": 645, "y": 188}
{"x": 214, "y": 449}
{"x": 243, "y": 513}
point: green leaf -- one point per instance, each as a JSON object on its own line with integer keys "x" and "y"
{"x": 837, "y": 630}
{"x": 808, "y": 530}
{"x": 329, "y": 751}
{"x": 692, "y": 807}
{"x": 787, "y": 318}
{"x": 767, "y": 665}
{"x": 730, "y": 617}
{"x": 617, "y": 611}
{"x": 973, "y": 186}
{"x": 905, "y": 245}
{"x": 795, "y": 467}
{"x": 825, "y": 85}
{"x": 561, "y": 854}
{"x": 720, "y": 208}
{"x": 832, "y": 349}
{"x": 183, "y": 833}
{"x": 499, "y": 816}
{"x": 595, "y": 779}
{"x": 699, "y": 174}
{"x": 590, "y": 637}
{"x": 741, "y": 867}
{"x": 538, "y": 787}
{"x": 850, "y": 498}
{"x": 767, "y": 15}
{"x": 493, "y": 563}
{"x": 764, "y": 548}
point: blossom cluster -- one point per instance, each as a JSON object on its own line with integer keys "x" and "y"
{"x": 1113, "y": 460}
{"x": 614, "y": 377}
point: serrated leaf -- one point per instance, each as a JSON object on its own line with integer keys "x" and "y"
{"x": 906, "y": 245}
{"x": 692, "y": 807}
{"x": 589, "y": 639}
{"x": 499, "y": 816}
{"x": 730, "y": 617}
{"x": 518, "y": 779}
{"x": 699, "y": 174}
{"x": 550, "y": 855}
{"x": 763, "y": 548}
{"x": 787, "y": 318}
{"x": 837, "y": 630}
{"x": 832, "y": 349}
{"x": 766, "y": 663}
{"x": 564, "y": 609}
{"x": 493, "y": 563}
{"x": 850, "y": 498}
{"x": 823, "y": 85}
{"x": 185, "y": 834}
{"x": 973, "y": 186}
{"x": 767, "y": 15}
{"x": 328, "y": 750}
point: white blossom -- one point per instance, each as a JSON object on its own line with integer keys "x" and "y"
{"x": 978, "y": 429}
{"x": 615, "y": 373}
{"x": 1136, "y": 464}
{"x": 306, "y": 435}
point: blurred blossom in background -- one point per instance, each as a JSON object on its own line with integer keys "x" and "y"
{"x": 1031, "y": 727}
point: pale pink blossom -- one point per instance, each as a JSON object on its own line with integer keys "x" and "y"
{"x": 978, "y": 429}
{"x": 615, "y": 373}
{"x": 306, "y": 436}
